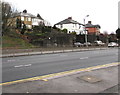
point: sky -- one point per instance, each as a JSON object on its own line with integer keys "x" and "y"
{"x": 102, "y": 12}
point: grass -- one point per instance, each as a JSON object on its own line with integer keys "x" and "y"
{"x": 15, "y": 42}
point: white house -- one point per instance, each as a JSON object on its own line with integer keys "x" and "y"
{"x": 47, "y": 23}
{"x": 37, "y": 21}
{"x": 70, "y": 25}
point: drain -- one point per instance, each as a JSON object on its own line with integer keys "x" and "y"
{"x": 90, "y": 79}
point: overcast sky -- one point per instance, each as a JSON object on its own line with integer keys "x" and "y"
{"x": 102, "y": 12}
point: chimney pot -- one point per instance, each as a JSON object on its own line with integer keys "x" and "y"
{"x": 89, "y": 22}
{"x": 69, "y": 17}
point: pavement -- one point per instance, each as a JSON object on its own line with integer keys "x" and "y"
{"x": 97, "y": 79}
{"x": 26, "y": 52}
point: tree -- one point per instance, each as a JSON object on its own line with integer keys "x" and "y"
{"x": 18, "y": 23}
{"x": 118, "y": 33}
{"x": 105, "y": 33}
{"x": 23, "y": 28}
{"x": 105, "y": 37}
{"x": 65, "y": 30}
{"x": 54, "y": 27}
{"x": 112, "y": 37}
{"x": 7, "y": 11}
{"x": 74, "y": 33}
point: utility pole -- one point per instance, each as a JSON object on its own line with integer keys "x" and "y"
{"x": 85, "y": 31}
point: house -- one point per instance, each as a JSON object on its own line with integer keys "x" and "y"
{"x": 92, "y": 29}
{"x": 40, "y": 21}
{"x": 24, "y": 17}
{"x": 71, "y": 25}
{"x": 37, "y": 21}
{"x": 47, "y": 23}
{"x": 27, "y": 18}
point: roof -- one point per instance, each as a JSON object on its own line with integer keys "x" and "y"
{"x": 68, "y": 21}
{"x": 92, "y": 26}
{"x": 38, "y": 16}
{"x": 22, "y": 14}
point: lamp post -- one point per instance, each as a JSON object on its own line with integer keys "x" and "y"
{"x": 49, "y": 41}
{"x": 85, "y": 31}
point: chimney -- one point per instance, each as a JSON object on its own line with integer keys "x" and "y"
{"x": 25, "y": 11}
{"x": 89, "y": 22}
{"x": 69, "y": 17}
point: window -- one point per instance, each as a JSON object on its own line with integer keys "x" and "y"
{"x": 26, "y": 19}
{"x": 29, "y": 26}
{"x": 79, "y": 26}
{"x": 61, "y": 26}
{"x": 22, "y": 18}
{"x": 75, "y": 25}
{"x": 29, "y": 19}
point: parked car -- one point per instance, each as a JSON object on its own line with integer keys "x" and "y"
{"x": 78, "y": 44}
{"x": 113, "y": 44}
{"x": 88, "y": 43}
{"x": 99, "y": 43}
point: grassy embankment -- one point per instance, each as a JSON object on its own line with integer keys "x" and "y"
{"x": 14, "y": 40}
{"x": 11, "y": 43}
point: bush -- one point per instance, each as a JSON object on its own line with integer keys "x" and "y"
{"x": 65, "y": 30}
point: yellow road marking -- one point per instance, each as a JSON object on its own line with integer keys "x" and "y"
{"x": 60, "y": 73}
{"x": 44, "y": 79}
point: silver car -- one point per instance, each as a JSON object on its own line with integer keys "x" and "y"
{"x": 78, "y": 44}
{"x": 88, "y": 43}
{"x": 113, "y": 44}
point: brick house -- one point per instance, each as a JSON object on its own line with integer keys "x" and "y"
{"x": 92, "y": 29}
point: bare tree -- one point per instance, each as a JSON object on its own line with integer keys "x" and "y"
{"x": 7, "y": 11}
{"x": 105, "y": 32}
{"x": 0, "y": 18}
{"x": 106, "y": 37}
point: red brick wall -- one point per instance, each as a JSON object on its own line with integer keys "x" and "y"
{"x": 92, "y": 30}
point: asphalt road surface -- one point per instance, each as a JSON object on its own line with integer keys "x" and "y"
{"x": 16, "y": 68}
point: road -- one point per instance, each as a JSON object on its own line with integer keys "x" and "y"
{"x": 16, "y": 68}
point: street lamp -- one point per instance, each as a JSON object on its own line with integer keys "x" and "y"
{"x": 85, "y": 31}
{"x": 49, "y": 41}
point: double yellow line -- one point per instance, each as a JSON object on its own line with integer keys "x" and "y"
{"x": 45, "y": 77}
